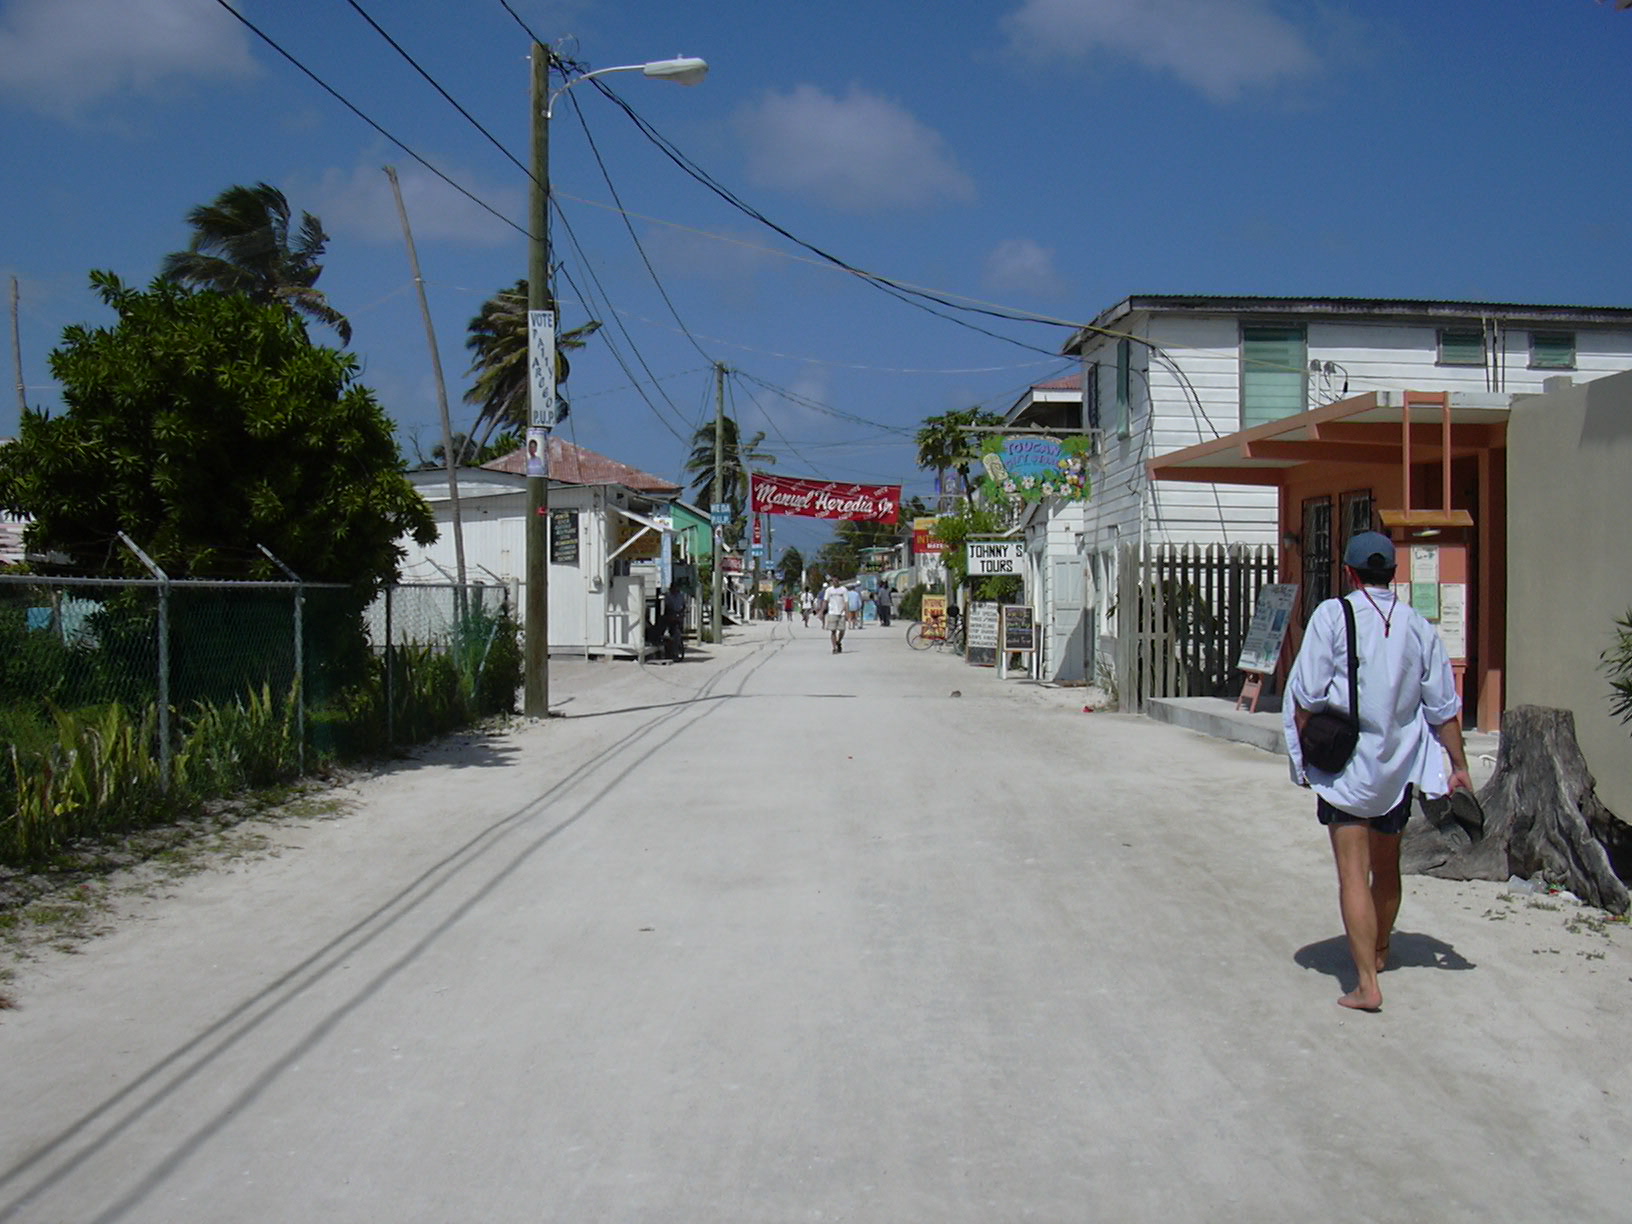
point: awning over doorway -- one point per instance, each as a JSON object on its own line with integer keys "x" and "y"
{"x": 1361, "y": 429}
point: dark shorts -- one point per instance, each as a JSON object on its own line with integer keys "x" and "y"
{"x": 1392, "y": 821}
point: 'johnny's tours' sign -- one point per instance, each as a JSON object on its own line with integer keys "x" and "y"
{"x": 995, "y": 558}
{"x": 824, "y": 499}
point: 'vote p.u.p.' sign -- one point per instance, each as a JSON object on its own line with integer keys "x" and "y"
{"x": 990, "y": 558}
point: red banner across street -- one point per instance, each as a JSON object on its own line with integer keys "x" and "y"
{"x": 826, "y": 499}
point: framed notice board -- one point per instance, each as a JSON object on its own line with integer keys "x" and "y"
{"x": 1261, "y": 649}
{"x": 981, "y": 622}
{"x": 1018, "y": 628}
{"x": 564, "y": 537}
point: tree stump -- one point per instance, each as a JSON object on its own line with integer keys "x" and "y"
{"x": 1541, "y": 815}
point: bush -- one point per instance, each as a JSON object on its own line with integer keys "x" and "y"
{"x": 911, "y": 605}
{"x": 1618, "y": 664}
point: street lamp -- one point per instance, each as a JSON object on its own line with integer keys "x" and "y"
{"x": 541, "y": 414}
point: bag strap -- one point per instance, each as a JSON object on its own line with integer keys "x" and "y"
{"x": 1354, "y": 662}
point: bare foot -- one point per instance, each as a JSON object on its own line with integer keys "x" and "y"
{"x": 1361, "y": 999}
{"x": 1382, "y": 956}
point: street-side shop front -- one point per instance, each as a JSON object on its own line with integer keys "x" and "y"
{"x": 611, "y": 545}
{"x": 1426, "y": 468}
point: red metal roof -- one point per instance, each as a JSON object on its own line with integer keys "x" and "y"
{"x": 572, "y": 464}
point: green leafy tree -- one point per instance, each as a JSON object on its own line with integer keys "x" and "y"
{"x": 242, "y": 244}
{"x": 203, "y": 425}
{"x": 470, "y": 452}
{"x": 846, "y": 553}
{"x": 791, "y": 568}
{"x": 954, "y": 531}
{"x": 945, "y": 442}
{"x": 497, "y": 340}
{"x": 740, "y": 458}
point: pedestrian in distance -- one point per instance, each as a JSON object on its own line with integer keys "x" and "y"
{"x": 836, "y": 602}
{"x": 852, "y": 605}
{"x": 807, "y": 603}
{"x": 1408, "y": 707}
{"x": 884, "y": 600}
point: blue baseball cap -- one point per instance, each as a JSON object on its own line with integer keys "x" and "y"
{"x": 1369, "y": 550}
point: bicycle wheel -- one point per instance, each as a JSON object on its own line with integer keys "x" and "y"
{"x": 916, "y": 638}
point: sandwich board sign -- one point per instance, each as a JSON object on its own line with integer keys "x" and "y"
{"x": 1261, "y": 649}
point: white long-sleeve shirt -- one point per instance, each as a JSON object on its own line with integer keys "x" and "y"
{"x": 1406, "y": 689}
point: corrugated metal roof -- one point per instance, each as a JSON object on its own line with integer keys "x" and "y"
{"x": 572, "y": 464}
{"x": 1381, "y": 309}
{"x": 1071, "y": 382}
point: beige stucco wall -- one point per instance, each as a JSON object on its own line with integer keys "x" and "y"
{"x": 1569, "y": 474}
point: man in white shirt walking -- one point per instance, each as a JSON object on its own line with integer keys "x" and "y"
{"x": 836, "y": 606}
{"x": 1408, "y": 707}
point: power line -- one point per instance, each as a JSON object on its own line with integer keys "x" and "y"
{"x": 633, "y": 237}
{"x": 796, "y": 398}
{"x": 349, "y": 105}
{"x": 885, "y": 284}
{"x": 432, "y": 81}
{"x": 589, "y": 269}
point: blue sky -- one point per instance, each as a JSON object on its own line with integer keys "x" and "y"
{"x": 1051, "y": 156}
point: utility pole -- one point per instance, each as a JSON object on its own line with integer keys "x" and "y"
{"x": 449, "y": 459}
{"x": 17, "y": 354}
{"x": 719, "y": 496}
{"x": 536, "y": 659}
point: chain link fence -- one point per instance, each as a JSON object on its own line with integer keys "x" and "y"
{"x": 209, "y": 685}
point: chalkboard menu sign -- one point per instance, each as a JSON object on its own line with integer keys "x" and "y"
{"x": 564, "y": 537}
{"x": 1018, "y": 624}
{"x": 981, "y": 650}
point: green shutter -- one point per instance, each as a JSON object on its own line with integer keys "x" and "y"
{"x": 1124, "y": 387}
{"x": 1461, "y": 346}
{"x": 1552, "y": 350}
{"x": 1273, "y": 365}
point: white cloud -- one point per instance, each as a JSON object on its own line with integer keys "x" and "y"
{"x": 358, "y": 203}
{"x": 1021, "y": 265}
{"x": 1220, "y": 47}
{"x": 859, "y": 152}
{"x": 58, "y": 56}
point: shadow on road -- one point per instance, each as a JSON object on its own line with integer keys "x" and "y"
{"x": 1407, "y": 950}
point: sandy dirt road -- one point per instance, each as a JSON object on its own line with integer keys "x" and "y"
{"x": 777, "y": 935}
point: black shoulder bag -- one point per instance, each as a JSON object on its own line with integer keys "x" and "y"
{"x": 1329, "y": 737}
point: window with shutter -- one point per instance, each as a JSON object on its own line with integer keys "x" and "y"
{"x": 1461, "y": 346}
{"x": 1124, "y": 388}
{"x": 1552, "y": 350}
{"x": 1090, "y": 401}
{"x": 1274, "y": 365}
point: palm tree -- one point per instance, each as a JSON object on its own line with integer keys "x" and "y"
{"x": 498, "y": 338}
{"x": 792, "y": 569}
{"x": 945, "y": 441}
{"x": 740, "y": 458}
{"x": 241, "y": 244}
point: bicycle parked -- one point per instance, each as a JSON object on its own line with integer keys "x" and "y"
{"x": 942, "y": 635}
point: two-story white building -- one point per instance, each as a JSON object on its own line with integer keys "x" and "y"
{"x": 1163, "y": 372}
